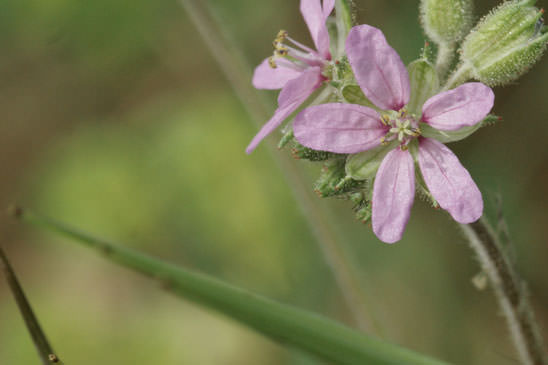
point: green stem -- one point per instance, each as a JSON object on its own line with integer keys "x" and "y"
{"x": 345, "y": 19}
{"x": 446, "y": 53}
{"x": 510, "y": 292}
{"x": 319, "y": 220}
{"x": 459, "y": 76}
{"x": 45, "y": 351}
{"x": 288, "y": 325}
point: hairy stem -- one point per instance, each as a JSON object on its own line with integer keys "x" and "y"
{"x": 446, "y": 52}
{"x": 510, "y": 292}
{"x": 458, "y": 77}
{"x": 237, "y": 72}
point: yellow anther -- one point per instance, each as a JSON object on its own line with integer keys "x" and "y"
{"x": 281, "y": 51}
{"x": 385, "y": 119}
{"x": 383, "y": 141}
{"x": 272, "y": 62}
{"x": 416, "y": 132}
{"x": 404, "y": 147}
{"x": 403, "y": 112}
{"x": 282, "y": 34}
{"x": 280, "y": 37}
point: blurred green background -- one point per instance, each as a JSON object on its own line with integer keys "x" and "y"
{"x": 116, "y": 119}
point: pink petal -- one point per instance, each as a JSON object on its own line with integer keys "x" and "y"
{"x": 266, "y": 77}
{"x": 314, "y": 17}
{"x": 393, "y": 195}
{"x": 464, "y": 106}
{"x": 378, "y": 69}
{"x": 328, "y": 6}
{"x": 293, "y": 94}
{"x": 449, "y": 182}
{"x": 339, "y": 128}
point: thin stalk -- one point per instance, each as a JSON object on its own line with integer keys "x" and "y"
{"x": 45, "y": 351}
{"x": 459, "y": 76}
{"x": 510, "y": 292}
{"x": 446, "y": 53}
{"x": 305, "y": 330}
{"x": 345, "y": 20}
{"x": 236, "y": 71}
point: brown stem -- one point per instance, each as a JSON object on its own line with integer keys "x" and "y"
{"x": 41, "y": 343}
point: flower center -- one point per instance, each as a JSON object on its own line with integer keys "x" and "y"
{"x": 293, "y": 54}
{"x": 401, "y": 126}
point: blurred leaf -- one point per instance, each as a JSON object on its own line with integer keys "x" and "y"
{"x": 305, "y": 330}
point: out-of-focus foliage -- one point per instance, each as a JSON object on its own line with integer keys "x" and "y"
{"x": 115, "y": 119}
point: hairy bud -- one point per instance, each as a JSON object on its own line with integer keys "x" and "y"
{"x": 505, "y": 43}
{"x": 446, "y": 21}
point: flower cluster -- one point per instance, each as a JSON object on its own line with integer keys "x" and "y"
{"x": 384, "y": 137}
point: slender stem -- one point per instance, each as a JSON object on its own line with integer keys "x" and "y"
{"x": 41, "y": 343}
{"x": 319, "y": 220}
{"x": 460, "y": 76}
{"x": 510, "y": 291}
{"x": 288, "y": 325}
{"x": 446, "y": 53}
{"x": 345, "y": 20}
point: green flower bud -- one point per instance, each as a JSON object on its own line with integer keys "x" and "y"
{"x": 446, "y": 21}
{"x": 363, "y": 213}
{"x": 333, "y": 179}
{"x": 301, "y": 152}
{"x": 505, "y": 43}
{"x": 424, "y": 84}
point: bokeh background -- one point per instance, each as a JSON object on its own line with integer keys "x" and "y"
{"x": 115, "y": 119}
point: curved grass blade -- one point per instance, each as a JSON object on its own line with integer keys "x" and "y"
{"x": 288, "y": 325}
{"x": 45, "y": 351}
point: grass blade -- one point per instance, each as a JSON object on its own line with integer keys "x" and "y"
{"x": 43, "y": 347}
{"x": 288, "y": 325}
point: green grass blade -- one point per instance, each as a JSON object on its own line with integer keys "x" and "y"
{"x": 285, "y": 324}
{"x": 45, "y": 351}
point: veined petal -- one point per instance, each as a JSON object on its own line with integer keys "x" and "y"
{"x": 315, "y": 17}
{"x": 379, "y": 70}
{"x": 463, "y": 106}
{"x": 339, "y": 128}
{"x": 393, "y": 195}
{"x": 266, "y": 77}
{"x": 293, "y": 94}
{"x": 449, "y": 182}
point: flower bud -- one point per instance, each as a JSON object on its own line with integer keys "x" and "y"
{"x": 333, "y": 179}
{"x": 505, "y": 43}
{"x": 301, "y": 152}
{"x": 446, "y": 21}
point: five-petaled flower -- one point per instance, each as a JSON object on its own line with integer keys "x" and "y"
{"x": 349, "y": 129}
{"x": 295, "y": 68}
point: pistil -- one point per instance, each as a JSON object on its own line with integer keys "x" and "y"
{"x": 401, "y": 127}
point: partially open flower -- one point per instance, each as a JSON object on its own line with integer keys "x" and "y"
{"x": 294, "y": 67}
{"x": 350, "y": 129}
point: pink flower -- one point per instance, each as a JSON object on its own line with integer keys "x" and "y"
{"x": 295, "y": 68}
{"x": 348, "y": 128}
